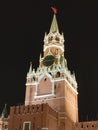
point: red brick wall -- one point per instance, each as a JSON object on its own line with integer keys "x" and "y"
{"x": 90, "y": 125}
{"x": 45, "y": 86}
{"x": 38, "y": 115}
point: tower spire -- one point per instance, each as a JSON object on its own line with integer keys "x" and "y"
{"x": 54, "y": 25}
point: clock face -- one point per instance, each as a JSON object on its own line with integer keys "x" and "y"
{"x": 48, "y": 60}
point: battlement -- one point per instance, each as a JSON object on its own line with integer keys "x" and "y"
{"x": 90, "y": 125}
{"x": 32, "y": 109}
{"x": 27, "y": 109}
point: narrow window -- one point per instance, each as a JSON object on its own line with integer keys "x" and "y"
{"x": 58, "y": 74}
{"x": 45, "y": 79}
{"x": 81, "y": 125}
{"x": 33, "y": 78}
{"x": 26, "y": 126}
{"x": 55, "y": 89}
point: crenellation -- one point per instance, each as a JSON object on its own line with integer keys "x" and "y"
{"x": 17, "y": 110}
{"x": 86, "y": 125}
{"x": 27, "y": 109}
{"x": 22, "y": 109}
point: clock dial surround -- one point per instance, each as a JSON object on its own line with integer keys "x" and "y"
{"x": 48, "y": 60}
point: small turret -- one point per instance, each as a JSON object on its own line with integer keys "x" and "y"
{"x": 45, "y": 35}
{"x": 4, "y": 113}
{"x": 30, "y": 69}
{"x": 40, "y": 57}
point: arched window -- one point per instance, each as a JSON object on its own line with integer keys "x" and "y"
{"x": 57, "y": 38}
{"x": 58, "y": 74}
{"x": 33, "y": 78}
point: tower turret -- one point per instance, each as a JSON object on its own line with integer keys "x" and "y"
{"x": 4, "y": 113}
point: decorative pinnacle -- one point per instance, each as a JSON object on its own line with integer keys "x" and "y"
{"x": 30, "y": 69}
{"x": 40, "y": 58}
{"x": 4, "y": 112}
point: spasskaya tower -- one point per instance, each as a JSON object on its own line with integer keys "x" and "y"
{"x": 51, "y": 97}
{"x": 52, "y": 82}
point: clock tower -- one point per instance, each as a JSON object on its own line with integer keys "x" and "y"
{"x": 52, "y": 82}
{"x": 53, "y": 45}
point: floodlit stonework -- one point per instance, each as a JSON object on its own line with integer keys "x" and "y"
{"x": 51, "y": 98}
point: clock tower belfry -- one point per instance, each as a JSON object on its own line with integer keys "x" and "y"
{"x": 53, "y": 44}
{"x": 52, "y": 82}
{"x": 54, "y": 40}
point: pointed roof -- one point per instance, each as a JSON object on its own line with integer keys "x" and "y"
{"x": 54, "y": 25}
{"x": 4, "y": 113}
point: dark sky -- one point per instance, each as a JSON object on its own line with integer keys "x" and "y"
{"x": 22, "y": 28}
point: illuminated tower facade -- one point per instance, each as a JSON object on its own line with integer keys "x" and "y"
{"x": 51, "y": 98}
{"x": 52, "y": 82}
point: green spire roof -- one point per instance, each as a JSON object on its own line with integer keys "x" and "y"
{"x": 54, "y": 25}
{"x": 4, "y": 113}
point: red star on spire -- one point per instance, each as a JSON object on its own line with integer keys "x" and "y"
{"x": 54, "y": 10}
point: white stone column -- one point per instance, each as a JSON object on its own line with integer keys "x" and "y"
{"x": 53, "y": 87}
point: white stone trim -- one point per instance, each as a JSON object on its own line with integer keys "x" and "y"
{"x": 44, "y": 128}
{"x": 49, "y": 76}
{"x": 26, "y": 101}
{"x": 32, "y": 83}
{"x": 44, "y": 96}
{"x": 62, "y": 79}
{"x": 53, "y": 87}
{"x": 71, "y": 87}
{"x": 68, "y": 73}
{"x": 56, "y": 99}
{"x": 45, "y": 74}
{"x": 26, "y": 122}
{"x": 50, "y": 46}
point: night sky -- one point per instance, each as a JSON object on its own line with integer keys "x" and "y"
{"x": 22, "y": 28}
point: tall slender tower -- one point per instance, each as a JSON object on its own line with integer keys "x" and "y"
{"x": 52, "y": 82}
